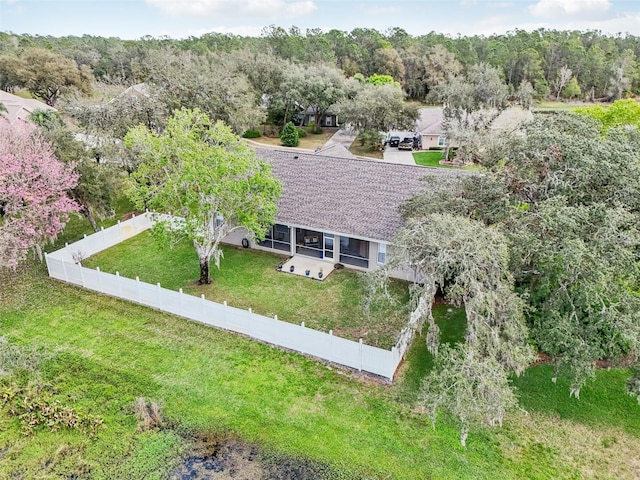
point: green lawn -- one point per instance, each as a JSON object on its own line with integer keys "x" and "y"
{"x": 431, "y": 158}
{"x": 106, "y": 352}
{"x": 249, "y": 279}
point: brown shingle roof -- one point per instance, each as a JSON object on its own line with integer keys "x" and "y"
{"x": 354, "y": 197}
{"x": 19, "y": 108}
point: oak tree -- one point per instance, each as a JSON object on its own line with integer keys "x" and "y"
{"x": 205, "y": 176}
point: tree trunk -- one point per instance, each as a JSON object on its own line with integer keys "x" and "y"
{"x": 205, "y": 278}
{"x": 86, "y": 211}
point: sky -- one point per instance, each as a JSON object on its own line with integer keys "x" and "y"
{"x": 133, "y": 19}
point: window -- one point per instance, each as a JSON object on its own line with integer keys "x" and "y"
{"x": 442, "y": 140}
{"x": 382, "y": 253}
{"x": 277, "y": 237}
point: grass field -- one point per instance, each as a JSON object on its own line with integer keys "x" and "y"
{"x": 104, "y": 353}
{"x": 310, "y": 142}
{"x": 431, "y": 158}
{"x": 249, "y": 279}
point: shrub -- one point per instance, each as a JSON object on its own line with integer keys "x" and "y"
{"x": 289, "y": 135}
{"x": 313, "y": 128}
{"x": 148, "y": 414}
{"x": 301, "y": 133}
{"x": 35, "y": 406}
{"x": 251, "y": 134}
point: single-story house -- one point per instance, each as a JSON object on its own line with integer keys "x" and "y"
{"x": 340, "y": 210}
{"x": 433, "y": 133}
{"x": 329, "y": 119}
{"x": 430, "y": 128}
{"x": 18, "y": 108}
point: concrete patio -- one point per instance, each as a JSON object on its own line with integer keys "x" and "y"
{"x": 302, "y": 263}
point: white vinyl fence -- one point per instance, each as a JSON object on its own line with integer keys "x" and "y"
{"x": 64, "y": 264}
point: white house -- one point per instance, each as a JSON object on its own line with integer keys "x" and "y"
{"x": 340, "y": 210}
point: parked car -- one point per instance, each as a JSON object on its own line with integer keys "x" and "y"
{"x": 406, "y": 144}
{"x": 393, "y": 141}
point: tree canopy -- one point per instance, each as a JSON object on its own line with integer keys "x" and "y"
{"x": 567, "y": 200}
{"x": 34, "y": 205}
{"x": 207, "y": 177}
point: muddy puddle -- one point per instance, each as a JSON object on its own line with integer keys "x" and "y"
{"x": 222, "y": 460}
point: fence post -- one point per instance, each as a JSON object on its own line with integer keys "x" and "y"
{"x": 104, "y": 241}
{"x": 119, "y": 284}
{"x": 64, "y": 270}
{"x": 302, "y": 336}
{"x": 360, "y": 363}
{"x": 203, "y": 315}
{"x": 159, "y": 296}
{"x": 138, "y": 289}
{"x": 225, "y": 316}
{"x": 119, "y": 231}
{"x": 181, "y": 301}
{"x": 396, "y": 361}
{"x": 249, "y": 322}
{"x": 331, "y": 355}
{"x": 81, "y": 275}
{"x": 100, "y": 280}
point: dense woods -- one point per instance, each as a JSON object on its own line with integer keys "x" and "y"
{"x": 557, "y": 64}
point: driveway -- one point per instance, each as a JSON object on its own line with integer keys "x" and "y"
{"x": 343, "y": 137}
{"x": 393, "y": 155}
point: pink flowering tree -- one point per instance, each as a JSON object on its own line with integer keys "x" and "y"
{"x": 34, "y": 205}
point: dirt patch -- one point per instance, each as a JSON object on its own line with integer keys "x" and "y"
{"x": 212, "y": 459}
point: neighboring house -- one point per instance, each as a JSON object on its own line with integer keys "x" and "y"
{"x": 433, "y": 133}
{"x": 339, "y": 209}
{"x": 18, "y": 108}
{"x": 139, "y": 90}
{"x": 431, "y": 129}
{"x": 329, "y": 119}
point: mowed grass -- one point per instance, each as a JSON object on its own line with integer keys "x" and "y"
{"x": 107, "y": 352}
{"x": 249, "y": 279}
{"x": 310, "y": 142}
{"x": 431, "y": 158}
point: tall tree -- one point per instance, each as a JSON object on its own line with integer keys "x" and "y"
{"x": 321, "y": 87}
{"x": 378, "y": 108}
{"x": 471, "y": 103}
{"x": 561, "y": 80}
{"x": 48, "y": 75}
{"x": 202, "y": 173}
{"x": 469, "y": 262}
{"x": 99, "y": 184}
{"x": 567, "y": 199}
{"x": 34, "y": 205}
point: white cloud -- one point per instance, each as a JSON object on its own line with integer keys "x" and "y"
{"x": 468, "y": 3}
{"x": 569, "y": 8}
{"x": 235, "y": 8}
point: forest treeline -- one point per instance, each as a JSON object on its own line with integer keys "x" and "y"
{"x": 559, "y": 64}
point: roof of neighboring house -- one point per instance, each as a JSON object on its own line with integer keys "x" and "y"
{"x": 511, "y": 118}
{"x": 19, "y": 108}
{"x": 335, "y": 150}
{"x": 359, "y": 198}
{"x": 430, "y": 121}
